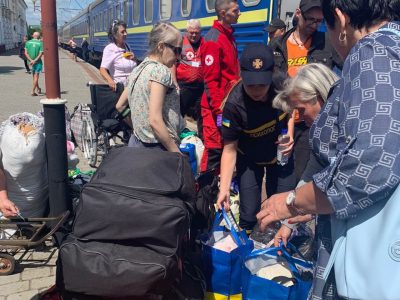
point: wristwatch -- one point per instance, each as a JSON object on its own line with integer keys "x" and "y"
{"x": 290, "y": 203}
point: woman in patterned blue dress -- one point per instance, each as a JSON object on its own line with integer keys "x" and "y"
{"x": 356, "y": 134}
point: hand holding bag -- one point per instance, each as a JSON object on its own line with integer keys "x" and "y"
{"x": 223, "y": 270}
{"x": 258, "y": 288}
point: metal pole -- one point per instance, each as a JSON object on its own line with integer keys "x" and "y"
{"x": 54, "y": 114}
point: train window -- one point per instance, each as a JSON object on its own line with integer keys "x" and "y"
{"x": 117, "y": 12}
{"x": 165, "y": 9}
{"x": 126, "y": 11}
{"x": 186, "y": 7}
{"x": 148, "y": 10}
{"x": 210, "y": 5}
{"x": 110, "y": 17}
{"x": 136, "y": 11}
{"x": 250, "y": 2}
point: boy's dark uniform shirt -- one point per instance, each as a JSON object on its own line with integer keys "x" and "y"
{"x": 255, "y": 124}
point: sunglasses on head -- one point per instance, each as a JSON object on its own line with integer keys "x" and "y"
{"x": 311, "y": 20}
{"x": 177, "y": 50}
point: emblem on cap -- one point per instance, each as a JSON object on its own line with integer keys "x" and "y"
{"x": 257, "y": 63}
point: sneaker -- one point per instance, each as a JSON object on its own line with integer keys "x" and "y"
{"x": 28, "y": 72}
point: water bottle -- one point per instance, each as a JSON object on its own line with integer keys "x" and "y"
{"x": 283, "y": 138}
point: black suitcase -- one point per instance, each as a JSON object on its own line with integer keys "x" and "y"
{"x": 138, "y": 194}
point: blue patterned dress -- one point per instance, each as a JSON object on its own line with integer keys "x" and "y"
{"x": 357, "y": 136}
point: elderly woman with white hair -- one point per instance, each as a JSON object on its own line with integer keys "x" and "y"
{"x": 307, "y": 92}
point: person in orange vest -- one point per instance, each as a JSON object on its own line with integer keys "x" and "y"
{"x": 189, "y": 71}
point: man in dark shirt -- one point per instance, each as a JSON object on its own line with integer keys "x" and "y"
{"x": 22, "y": 54}
{"x": 275, "y": 29}
{"x": 85, "y": 49}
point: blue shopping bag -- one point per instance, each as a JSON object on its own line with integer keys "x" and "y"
{"x": 223, "y": 270}
{"x": 257, "y": 288}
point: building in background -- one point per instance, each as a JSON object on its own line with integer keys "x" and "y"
{"x": 12, "y": 23}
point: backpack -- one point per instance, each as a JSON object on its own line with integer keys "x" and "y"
{"x": 129, "y": 225}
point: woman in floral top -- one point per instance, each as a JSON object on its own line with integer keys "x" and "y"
{"x": 152, "y": 95}
{"x": 356, "y": 134}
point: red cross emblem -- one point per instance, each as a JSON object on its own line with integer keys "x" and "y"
{"x": 209, "y": 60}
{"x": 189, "y": 55}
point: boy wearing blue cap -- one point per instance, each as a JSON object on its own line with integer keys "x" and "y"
{"x": 250, "y": 129}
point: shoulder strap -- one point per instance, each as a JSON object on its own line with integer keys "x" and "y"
{"x": 141, "y": 67}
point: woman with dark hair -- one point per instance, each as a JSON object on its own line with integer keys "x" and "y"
{"x": 395, "y": 5}
{"x": 118, "y": 60}
{"x": 356, "y": 139}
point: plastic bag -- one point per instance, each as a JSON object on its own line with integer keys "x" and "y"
{"x": 23, "y": 158}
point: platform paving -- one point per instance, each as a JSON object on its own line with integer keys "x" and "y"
{"x": 36, "y": 272}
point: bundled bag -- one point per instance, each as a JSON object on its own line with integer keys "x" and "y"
{"x": 268, "y": 276}
{"x": 23, "y": 157}
{"x": 199, "y": 148}
{"x": 129, "y": 225}
{"x": 223, "y": 254}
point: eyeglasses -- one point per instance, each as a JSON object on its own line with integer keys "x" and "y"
{"x": 311, "y": 21}
{"x": 177, "y": 50}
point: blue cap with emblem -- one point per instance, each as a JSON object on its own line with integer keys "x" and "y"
{"x": 257, "y": 64}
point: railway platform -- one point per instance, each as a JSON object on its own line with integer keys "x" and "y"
{"x": 37, "y": 270}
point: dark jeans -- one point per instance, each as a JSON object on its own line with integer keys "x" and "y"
{"x": 85, "y": 53}
{"x": 134, "y": 142}
{"x": 250, "y": 178}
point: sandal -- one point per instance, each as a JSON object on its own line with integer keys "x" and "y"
{"x": 34, "y": 94}
{"x": 39, "y": 90}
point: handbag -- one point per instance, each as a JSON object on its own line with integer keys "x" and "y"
{"x": 259, "y": 288}
{"x": 366, "y": 251}
{"x": 223, "y": 270}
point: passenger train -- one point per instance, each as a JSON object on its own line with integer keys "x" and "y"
{"x": 140, "y": 15}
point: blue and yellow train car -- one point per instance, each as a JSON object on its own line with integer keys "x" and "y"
{"x": 140, "y": 15}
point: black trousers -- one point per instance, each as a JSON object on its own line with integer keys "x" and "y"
{"x": 190, "y": 96}
{"x": 250, "y": 179}
{"x": 26, "y": 65}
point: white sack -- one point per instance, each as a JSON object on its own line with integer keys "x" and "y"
{"x": 23, "y": 159}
